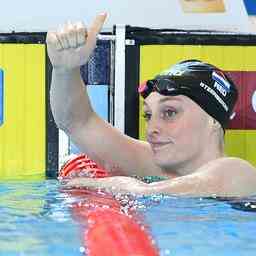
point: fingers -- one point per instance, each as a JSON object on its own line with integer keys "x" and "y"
{"x": 75, "y": 35}
{"x": 52, "y": 41}
{"x": 94, "y": 30}
{"x": 70, "y": 35}
{"x": 62, "y": 36}
{"x": 81, "y": 33}
{"x": 97, "y": 24}
{"x": 81, "y": 182}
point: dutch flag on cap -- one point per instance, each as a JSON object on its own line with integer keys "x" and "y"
{"x": 221, "y": 81}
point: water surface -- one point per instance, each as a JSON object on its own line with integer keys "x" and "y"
{"x": 36, "y": 219}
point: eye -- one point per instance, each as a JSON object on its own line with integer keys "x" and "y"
{"x": 147, "y": 116}
{"x": 169, "y": 114}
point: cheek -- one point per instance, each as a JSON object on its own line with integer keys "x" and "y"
{"x": 189, "y": 132}
{"x": 187, "y": 141}
{"x": 197, "y": 134}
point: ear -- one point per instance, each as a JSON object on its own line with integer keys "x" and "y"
{"x": 215, "y": 124}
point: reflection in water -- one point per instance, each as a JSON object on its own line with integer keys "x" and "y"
{"x": 36, "y": 219}
{"x": 247, "y": 206}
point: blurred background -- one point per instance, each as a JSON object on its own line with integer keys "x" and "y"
{"x": 206, "y": 14}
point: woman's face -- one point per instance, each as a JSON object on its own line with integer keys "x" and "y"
{"x": 177, "y": 130}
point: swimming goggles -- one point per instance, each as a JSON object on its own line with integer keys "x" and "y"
{"x": 163, "y": 85}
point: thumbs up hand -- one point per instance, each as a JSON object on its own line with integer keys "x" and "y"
{"x": 71, "y": 46}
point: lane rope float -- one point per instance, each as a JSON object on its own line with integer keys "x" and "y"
{"x": 109, "y": 230}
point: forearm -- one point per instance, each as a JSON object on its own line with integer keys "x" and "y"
{"x": 69, "y": 99}
{"x": 123, "y": 184}
{"x": 115, "y": 184}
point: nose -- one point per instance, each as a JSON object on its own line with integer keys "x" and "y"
{"x": 153, "y": 127}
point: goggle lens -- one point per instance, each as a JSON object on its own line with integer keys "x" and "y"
{"x": 162, "y": 86}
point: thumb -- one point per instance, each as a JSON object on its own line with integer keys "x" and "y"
{"x": 97, "y": 24}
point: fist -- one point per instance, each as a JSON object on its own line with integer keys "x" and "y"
{"x": 72, "y": 44}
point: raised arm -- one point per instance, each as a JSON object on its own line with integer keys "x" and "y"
{"x": 68, "y": 49}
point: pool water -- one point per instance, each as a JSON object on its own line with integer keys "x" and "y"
{"x": 36, "y": 219}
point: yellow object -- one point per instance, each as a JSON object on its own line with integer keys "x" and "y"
{"x": 22, "y": 135}
{"x": 155, "y": 58}
{"x": 202, "y": 6}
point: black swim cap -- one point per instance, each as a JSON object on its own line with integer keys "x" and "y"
{"x": 204, "y": 83}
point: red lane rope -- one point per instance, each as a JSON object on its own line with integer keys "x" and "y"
{"x": 109, "y": 231}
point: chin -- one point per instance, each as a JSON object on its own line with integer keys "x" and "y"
{"x": 168, "y": 164}
{"x": 163, "y": 162}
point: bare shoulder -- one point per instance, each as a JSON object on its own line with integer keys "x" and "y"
{"x": 226, "y": 176}
{"x": 235, "y": 175}
{"x": 234, "y": 164}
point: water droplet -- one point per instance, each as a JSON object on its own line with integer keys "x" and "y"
{"x": 82, "y": 249}
{"x": 167, "y": 252}
{"x": 91, "y": 222}
{"x": 254, "y": 101}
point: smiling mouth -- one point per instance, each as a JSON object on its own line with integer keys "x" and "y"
{"x": 158, "y": 146}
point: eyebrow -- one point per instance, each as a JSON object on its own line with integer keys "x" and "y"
{"x": 166, "y": 98}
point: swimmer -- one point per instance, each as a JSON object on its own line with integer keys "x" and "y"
{"x": 187, "y": 109}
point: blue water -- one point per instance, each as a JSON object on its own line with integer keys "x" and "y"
{"x": 36, "y": 219}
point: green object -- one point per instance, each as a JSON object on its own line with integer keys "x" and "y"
{"x": 150, "y": 179}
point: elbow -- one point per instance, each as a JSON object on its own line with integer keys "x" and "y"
{"x": 64, "y": 126}
{"x": 72, "y": 125}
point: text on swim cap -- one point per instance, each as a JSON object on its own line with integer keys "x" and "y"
{"x": 220, "y": 89}
{"x": 224, "y": 85}
{"x": 215, "y": 95}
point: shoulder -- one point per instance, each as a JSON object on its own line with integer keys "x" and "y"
{"x": 227, "y": 176}
{"x": 235, "y": 174}
{"x": 232, "y": 163}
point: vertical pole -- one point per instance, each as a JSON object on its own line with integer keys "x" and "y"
{"x": 119, "y": 118}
